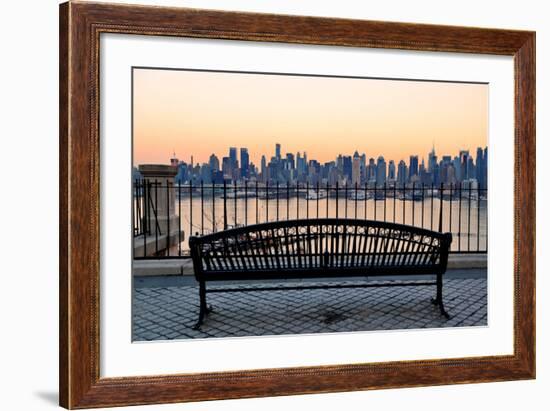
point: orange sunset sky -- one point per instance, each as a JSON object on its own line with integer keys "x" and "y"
{"x": 200, "y": 113}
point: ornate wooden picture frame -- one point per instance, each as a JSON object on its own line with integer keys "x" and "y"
{"x": 81, "y": 25}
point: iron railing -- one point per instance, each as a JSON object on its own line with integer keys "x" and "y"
{"x": 199, "y": 209}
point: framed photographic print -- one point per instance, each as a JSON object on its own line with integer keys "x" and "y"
{"x": 258, "y": 205}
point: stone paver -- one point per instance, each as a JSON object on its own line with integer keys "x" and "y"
{"x": 169, "y": 312}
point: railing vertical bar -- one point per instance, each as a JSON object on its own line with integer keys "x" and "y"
{"x": 307, "y": 200}
{"x": 403, "y": 201}
{"x": 145, "y": 215}
{"x": 224, "y": 204}
{"x": 346, "y": 200}
{"x": 167, "y": 218}
{"x": 277, "y": 203}
{"x": 469, "y": 211}
{"x": 385, "y": 202}
{"x": 156, "y": 220}
{"x": 297, "y": 200}
{"x": 375, "y": 198}
{"x": 328, "y": 196}
{"x": 235, "y": 203}
{"x": 317, "y": 202}
{"x": 179, "y": 218}
{"x": 413, "y": 201}
{"x": 451, "y": 209}
{"x": 422, "y": 208}
{"x": 337, "y": 199}
{"x": 287, "y": 201}
{"x": 213, "y": 208}
{"x": 366, "y": 205}
{"x": 202, "y": 207}
{"x": 394, "y": 199}
{"x": 459, "y": 217}
{"x": 478, "y": 208}
{"x": 190, "y": 207}
{"x": 440, "y": 229}
{"x": 432, "y": 208}
{"x": 246, "y": 202}
{"x": 135, "y": 197}
{"x": 356, "y": 200}
{"x": 267, "y": 200}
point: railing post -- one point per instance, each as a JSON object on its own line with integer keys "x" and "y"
{"x": 160, "y": 214}
{"x": 224, "y": 205}
{"x": 337, "y": 200}
{"x": 441, "y": 209}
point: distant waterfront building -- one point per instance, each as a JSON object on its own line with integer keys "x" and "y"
{"x": 464, "y": 157}
{"x": 391, "y": 171}
{"x": 457, "y": 169}
{"x": 214, "y": 163}
{"x": 432, "y": 161}
{"x": 263, "y": 167}
{"x": 347, "y": 162}
{"x": 356, "y": 171}
{"x": 371, "y": 170}
{"x": 402, "y": 173}
{"x": 413, "y": 166}
{"x": 290, "y": 161}
{"x": 278, "y": 151}
{"x": 381, "y": 171}
{"x": 206, "y": 174}
{"x": 227, "y": 168}
{"x": 245, "y": 162}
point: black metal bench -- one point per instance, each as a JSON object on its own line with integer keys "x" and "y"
{"x": 319, "y": 248}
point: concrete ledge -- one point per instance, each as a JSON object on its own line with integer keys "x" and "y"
{"x": 184, "y": 266}
{"x": 467, "y": 261}
{"x": 162, "y": 267}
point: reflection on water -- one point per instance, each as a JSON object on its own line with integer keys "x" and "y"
{"x": 465, "y": 218}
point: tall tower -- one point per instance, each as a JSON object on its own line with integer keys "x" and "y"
{"x": 245, "y": 162}
{"x": 413, "y": 166}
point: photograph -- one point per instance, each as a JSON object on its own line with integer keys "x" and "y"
{"x": 267, "y": 203}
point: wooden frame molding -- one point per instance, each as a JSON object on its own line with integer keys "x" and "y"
{"x": 81, "y": 24}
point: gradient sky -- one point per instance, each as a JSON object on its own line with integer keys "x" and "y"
{"x": 200, "y": 113}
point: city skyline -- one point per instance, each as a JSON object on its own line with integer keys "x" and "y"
{"x": 467, "y": 168}
{"x": 204, "y": 112}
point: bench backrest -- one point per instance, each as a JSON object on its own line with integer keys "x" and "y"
{"x": 319, "y": 248}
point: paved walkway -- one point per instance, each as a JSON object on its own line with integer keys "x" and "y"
{"x": 167, "y": 308}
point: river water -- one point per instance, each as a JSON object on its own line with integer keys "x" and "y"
{"x": 465, "y": 218}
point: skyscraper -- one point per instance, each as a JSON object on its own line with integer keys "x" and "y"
{"x": 278, "y": 151}
{"x": 356, "y": 171}
{"x": 391, "y": 170}
{"x": 290, "y": 161}
{"x": 432, "y": 161}
{"x": 402, "y": 173}
{"x": 245, "y": 161}
{"x": 347, "y": 167}
{"x": 464, "y": 156}
{"x": 263, "y": 170}
{"x": 227, "y": 168}
{"x": 413, "y": 166}
{"x": 214, "y": 163}
{"x": 371, "y": 173}
{"x": 233, "y": 158}
{"x": 381, "y": 171}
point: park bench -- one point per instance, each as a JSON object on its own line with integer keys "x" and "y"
{"x": 319, "y": 248}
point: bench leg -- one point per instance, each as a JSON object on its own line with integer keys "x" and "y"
{"x": 203, "y": 308}
{"x": 438, "y": 300}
